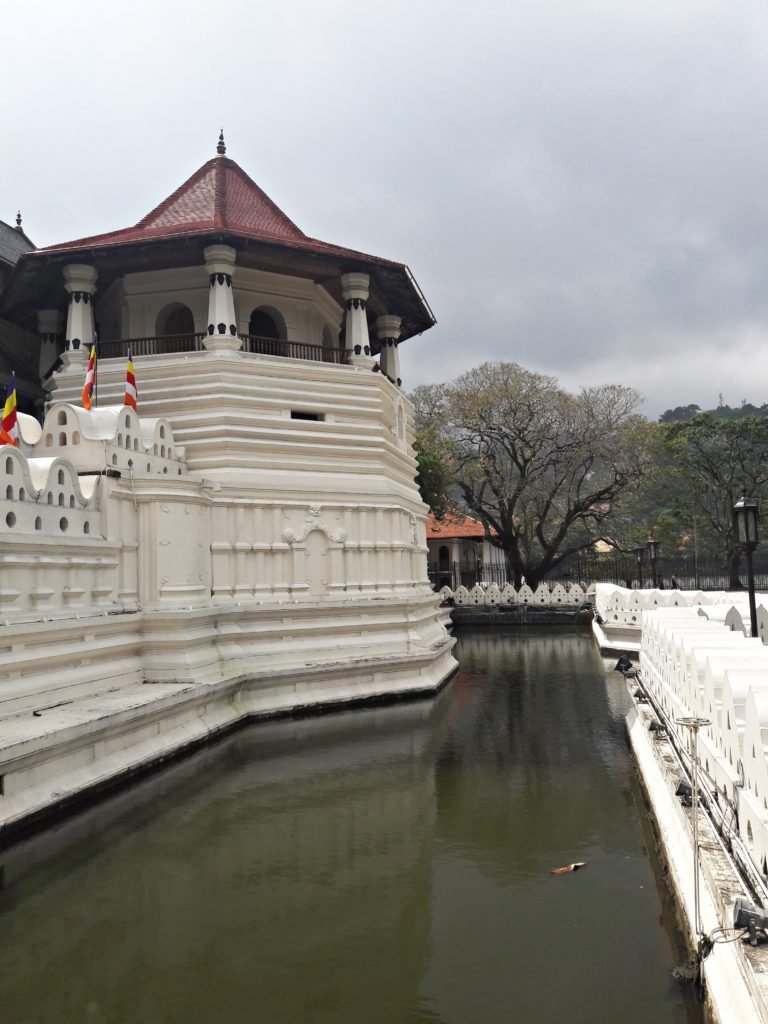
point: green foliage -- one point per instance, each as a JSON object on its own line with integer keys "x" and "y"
{"x": 679, "y": 413}
{"x": 433, "y": 477}
{"x": 709, "y": 463}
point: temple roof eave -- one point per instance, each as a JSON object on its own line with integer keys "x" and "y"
{"x": 393, "y": 289}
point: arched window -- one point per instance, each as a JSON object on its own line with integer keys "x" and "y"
{"x": 71, "y": 501}
{"x": 9, "y": 493}
{"x": 266, "y": 323}
{"x": 60, "y": 476}
{"x": 330, "y": 342}
{"x": 9, "y": 467}
{"x": 175, "y": 319}
{"x": 87, "y": 527}
{"x": 38, "y": 523}
{"x": 62, "y": 439}
{"x": 62, "y": 419}
{"x": 76, "y": 437}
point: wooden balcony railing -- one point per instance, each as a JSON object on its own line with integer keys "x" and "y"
{"x": 166, "y": 345}
{"x": 170, "y": 344}
{"x": 293, "y": 349}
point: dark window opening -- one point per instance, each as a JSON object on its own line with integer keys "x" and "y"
{"x": 262, "y": 325}
{"x": 316, "y": 417}
{"x": 178, "y": 320}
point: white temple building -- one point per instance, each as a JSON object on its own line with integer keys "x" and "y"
{"x": 252, "y": 541}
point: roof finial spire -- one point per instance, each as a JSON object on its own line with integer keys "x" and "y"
{"x": 221, "y": 149}
{"x": 18, "y": 221}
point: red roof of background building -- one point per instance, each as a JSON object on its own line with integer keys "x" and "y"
{"x": 219, "y": 196}
{"x": 454, "y": 526}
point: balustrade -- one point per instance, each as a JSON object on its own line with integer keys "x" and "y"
{"x": 172, "y": 344}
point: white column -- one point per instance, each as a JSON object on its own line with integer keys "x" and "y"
{"x": 80, "y": 282}
{"x": 388, "y": 333}
{"x": 49, "y": 326}
{"x": 354, "y": 289}
{"x": 222, "y": 326}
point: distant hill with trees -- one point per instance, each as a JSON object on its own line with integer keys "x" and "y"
{"x": 683, "y": 413}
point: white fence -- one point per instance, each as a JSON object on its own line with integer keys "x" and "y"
{"x": 543, "y": 596}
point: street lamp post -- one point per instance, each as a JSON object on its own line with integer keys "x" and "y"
{"x": 653, "y": 554}
{"x": 745, "y": 517}
{"x": 693, "y": 725}
{"x": 639, "y": 564}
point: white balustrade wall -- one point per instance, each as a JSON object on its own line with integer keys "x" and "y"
{"x": 543, "y": 596}
{"x": 620, "y": 607}
{"x": 692, "y": 665}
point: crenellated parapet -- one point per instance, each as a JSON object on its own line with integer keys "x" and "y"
{"x": 110, "y": 437}
{"x": 695, "y": 666}
{"x": 46, "y": 497}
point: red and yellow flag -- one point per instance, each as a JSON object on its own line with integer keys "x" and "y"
{"x": 131, "y": 395}
{"x": 9, "y": 431}
{"x": 90, "y": 379}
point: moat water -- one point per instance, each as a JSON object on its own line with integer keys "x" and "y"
{"x": 385, "y": 866}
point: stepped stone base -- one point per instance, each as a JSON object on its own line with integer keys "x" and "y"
{"x": 129, "y": 691}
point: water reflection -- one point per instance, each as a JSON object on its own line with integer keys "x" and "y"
{"x": 386, "y": 865}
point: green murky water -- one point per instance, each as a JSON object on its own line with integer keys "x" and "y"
{"x": 378, "y": 866}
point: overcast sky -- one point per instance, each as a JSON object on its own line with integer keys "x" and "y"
{"x": 577, "y": 185}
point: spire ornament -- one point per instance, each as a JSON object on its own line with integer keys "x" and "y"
{"x": 221, "y": 149}
{"x": 18, "y": 221}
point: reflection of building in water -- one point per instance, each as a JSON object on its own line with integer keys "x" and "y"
{"x": 544, "y": 753}
{"x": 295, "y": 886}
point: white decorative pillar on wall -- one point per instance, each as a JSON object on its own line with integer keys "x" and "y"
{"x": 388, "y": 332}
{"x": 222, "y": 326}
{"x": 80, "y": 282}
{"x": 49, "y": 326}
{"x": 354, "y": 289}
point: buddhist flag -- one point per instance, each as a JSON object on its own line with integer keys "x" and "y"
{"x": 90, "y": 379}
{"x": 130, "y": 385}
{"x": 9, "y": 432}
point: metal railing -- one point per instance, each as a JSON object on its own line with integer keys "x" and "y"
{"x": 172, "y": 344}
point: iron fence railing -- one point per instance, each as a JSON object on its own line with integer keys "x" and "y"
{"x": 686, "y": 572}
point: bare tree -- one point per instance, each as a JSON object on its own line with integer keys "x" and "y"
{"x": 544, "y": 470}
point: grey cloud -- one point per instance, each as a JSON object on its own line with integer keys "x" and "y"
{"x": 576, "y": 185}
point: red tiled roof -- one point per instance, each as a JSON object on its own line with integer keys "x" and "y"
{"x": 219, "y": 196}
{"x": 454, "y": 526}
